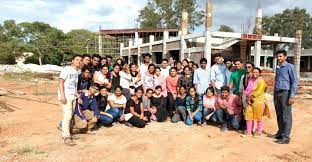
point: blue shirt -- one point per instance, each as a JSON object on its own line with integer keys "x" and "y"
{"x": 84, "y": 84}
{"x": 218, "y": 74}
{"x": 201, "y": 80}
{"x": 286, "y": 78}
{"x": 88, "y": 103}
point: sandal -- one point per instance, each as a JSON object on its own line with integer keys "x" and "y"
{"x": 69, "y": 142}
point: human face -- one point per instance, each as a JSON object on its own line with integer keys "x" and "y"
{"x": 104, "y": 70}
{"x": 104, "y": 92}
{"x": 109, "y": 61}
{"x": 194, "y": 67}
{"x": 157, "y": 91}
{"x": 118, "y": 92}
{"x": 77, "y": 62}
{"x": 104, "y": 61}
{"x": 228, "y": 64}
{"x": 126, "y": 67}
{"x": 255, "y": 73}
{"x": 119, "y": 61}
{"x": 238, "y": 65}
{"x": 149, "y": 94}
{"x": 187, "y": 71}
{"x": 173, "y": 72}
{"x": 133, "y": 68}
{"x": 203, "y": 64}
{"x": 179, "y": 66}
{"x": 151, "y": 69}
{"x": 93, "y": 90}
{"x": 116, "y": 69}
{"x": 184, "y": 63}
{"x": 147, "y": 59}
{"x": 182, "y": 90}
{"x": 157, "y": 72}
{"x": 209, "y": 93}
{"x": 139, "y": 94}
{"x": 192, "y": 92}
{"x": 281, "y": 58}
{"x": 95, "y": 61}
{"x": 218, "y": 60}
{"x": 86, "y": 74}
{"x": 191, "y": 64}
{"x": 224, "y": 94}
{"x": 249, "y": 68}
{"x": 164, "y": 64}
{"x": 170, "y": 60}
{"x": 86, "y": 60}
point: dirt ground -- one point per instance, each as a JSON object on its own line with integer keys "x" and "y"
{"x": 28, "y": 132}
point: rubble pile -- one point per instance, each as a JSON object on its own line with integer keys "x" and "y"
{"x": 30, "y": 68}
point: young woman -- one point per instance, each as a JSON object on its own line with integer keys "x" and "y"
{"x": 186, "y": 80}
{"x": 157, "y": 107}
{"x": 135, "y": 78}
{"x": 161, "y": 81}
{"x": 103, "y": 61}
{"x": 184, "y": 63}
{"x": 194, "y": 67}
{"x": 125, "y": 81}
{"x": 115, "y": 77}
{"x": 135, "y": 113}
{"x": 257, "y": 105}
{"x": 180, "y": 111}
{"x": 209, "y": 106}
{"x": 194, "y": 106}
{"x": 116, "y": 103}
{"x": 149, "y": 80}
{"x": 102, "y": 77}
{"x": 105, "y": 118}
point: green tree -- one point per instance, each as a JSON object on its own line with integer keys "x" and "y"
{"x": 225, "y": 28}
{"x": 286, "y": 24}
{"x": 167, "y": 14}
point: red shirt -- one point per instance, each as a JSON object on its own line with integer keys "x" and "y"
{"x": 172, "y": 84}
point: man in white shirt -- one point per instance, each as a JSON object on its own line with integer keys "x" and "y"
{"x": 146, "y": 63}
{"x": 202, "y": 77}
{"x": 218, "y": 73}
{"x": 164, "y": 68}
{"x": 67, "y": 92}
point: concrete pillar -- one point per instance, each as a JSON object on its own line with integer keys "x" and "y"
{"x": 100, "y": 44}
{"x": 140, "y": 40}
{"x": 297, "y": 51}
{"x": 151, "y": 41}
{"x": 265, "y": 58}
{"x": 165, "y": 37}
{"x": 309, "y": 63}
{"x": 274, "y": 58}
{"x": 129, "y": 49}
{"x": 184, "y": 26}
{"x": 208, "y": 25}
{"x": 121, "y": 48}
{"x": 136, "y": 38}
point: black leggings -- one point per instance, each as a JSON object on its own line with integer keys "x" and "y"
{"x": 170, "y": 104}
{"x": 137, "y": 122}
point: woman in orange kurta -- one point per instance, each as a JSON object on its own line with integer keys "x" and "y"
{"x": 257, "y": 105}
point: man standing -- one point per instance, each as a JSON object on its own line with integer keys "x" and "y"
{"x": 218, "y": 71}
{"x": 286, "y": 84}
{"x": 67, "y": 92}
{"x": 202, "y": 77}
{"x": 110, "y": 63}
{"x": 164, "y": 68}
{"x": 171, "y": 62}
{"x": 96, "y": 59}
{"x": 86, "y": 60}
{"x": 146, "y": 63}
{"x": 84, "y": 79}
{"x": 236, "y": 76}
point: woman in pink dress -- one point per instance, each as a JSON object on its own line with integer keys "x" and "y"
{"x": 161, "y": 81}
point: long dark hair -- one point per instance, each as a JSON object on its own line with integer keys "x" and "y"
{"x": 196, "y": 95}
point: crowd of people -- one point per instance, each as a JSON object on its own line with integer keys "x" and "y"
{"x": 95, "y": 91}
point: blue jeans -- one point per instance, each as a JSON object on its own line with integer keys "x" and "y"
{"x": 225, "y": 118}
{"x": 105, "y": 120}
{"x": 197, "y": 118}
{"x": 212, "y": 118}
{"x": 179, "y": 115}
{"x": 115, "y": 112}
{"x": 283, "y": 113}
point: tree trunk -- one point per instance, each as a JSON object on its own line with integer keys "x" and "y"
{"x": 40, "y": 57}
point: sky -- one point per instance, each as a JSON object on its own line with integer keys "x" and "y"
{"x": 119, "y": 14}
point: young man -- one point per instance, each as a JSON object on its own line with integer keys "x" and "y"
{"x": 110, "y": 62}
{"x": 285, "y": 88}
{"x": 67, "y": 92}
{"x": 229, "y": 109}
{"x": 172, "y": 88}
{"x": 164, "y": 68}
{"x": 86, "y": 109}
{"x": 146, "y": 63}
{"x": 84, "y": 79}
{"x": 171, "y": 62}
{"x": 218, "y": 73}
{"x": 86, "y": 60}
{"x": 115, "y": 78}
{"x": 95, "y": 64}
{"x": 236, "y": 76}
{"x": 202, "y": 77}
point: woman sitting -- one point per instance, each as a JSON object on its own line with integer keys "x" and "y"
{"x": 102, "y": 77}
{"x": 180, "y": 111}
{"x": 134, "y": 113}
{"x": 116, "y": 104}
{"x": 158, "y": 108}
{"x": 209, "y": 106}
{"x": 105, "y": 118}
{"x": 194, "y": 106}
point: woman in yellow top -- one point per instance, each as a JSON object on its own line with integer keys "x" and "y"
{"x": 257, "y": 105}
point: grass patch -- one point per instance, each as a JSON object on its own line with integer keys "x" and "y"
{"x": 26, "y": 150}
{"x": 27, "y": 76}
